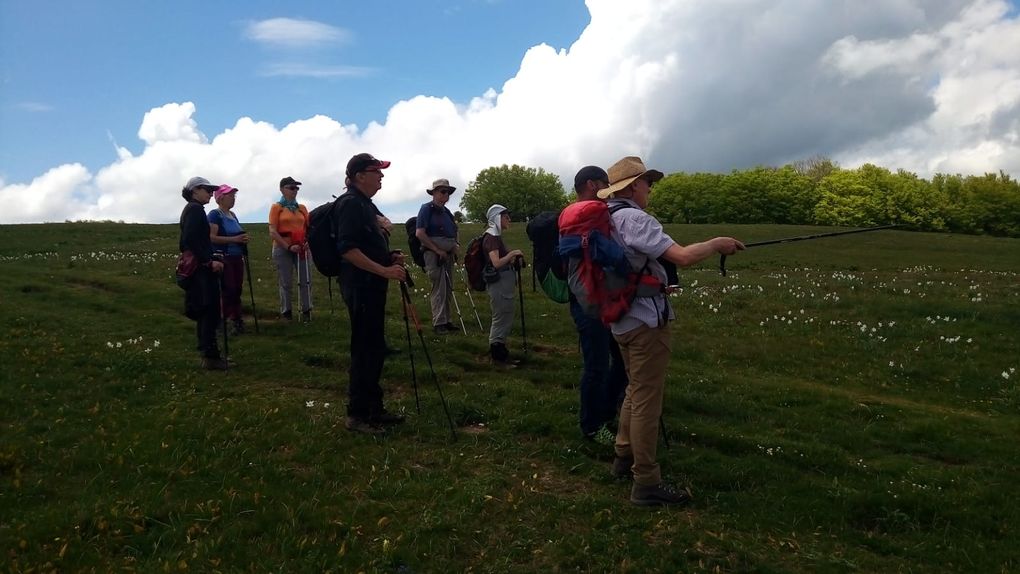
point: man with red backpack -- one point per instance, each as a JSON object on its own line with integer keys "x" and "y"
{"x": 643, "y": 329}
{"x": 603, "y": 375}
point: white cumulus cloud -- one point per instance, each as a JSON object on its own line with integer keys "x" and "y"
{"x": 693, "y": 85}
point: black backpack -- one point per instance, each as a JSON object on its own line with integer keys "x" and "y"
{"x": 413, "y": 243}
{"x": 322, "y": 230}
{"x": 550, "y": 269}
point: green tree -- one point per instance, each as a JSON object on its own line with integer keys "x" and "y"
{"x": 847, "y": 198}
{"x": 983, "y": 204}
{"x": 525, "y": 191}
{"x": 687, "y": 198}
{"x": 791, "y": 197}
{"x": 816, "y": 168}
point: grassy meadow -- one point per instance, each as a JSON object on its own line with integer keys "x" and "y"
{"x": 842, "y": 405}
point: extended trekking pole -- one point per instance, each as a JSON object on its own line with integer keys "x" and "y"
{"x": 722, "y": 258}
{"x": 251, "y": 288}
{"x": 467, "y": 288}
{"x": 665, "y": 434}
{"x": 520, "y": 297}
{"x": 308, "y": 274}
{"x": 533, "y": 280}
{"x": 410, "y": 349}
{"x": 409, "y": 306}
{"x": 449, "y": 282}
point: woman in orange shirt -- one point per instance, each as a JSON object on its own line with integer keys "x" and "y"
{"x": 288, "y": 227}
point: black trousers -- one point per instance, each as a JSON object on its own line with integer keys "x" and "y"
{"x": 202, "y": 305}
{"x": 366, "y": 308}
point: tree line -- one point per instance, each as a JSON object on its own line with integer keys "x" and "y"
{"x": 811, "y": 192}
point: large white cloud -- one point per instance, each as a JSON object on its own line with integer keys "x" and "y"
{"x": 689, "y": 85}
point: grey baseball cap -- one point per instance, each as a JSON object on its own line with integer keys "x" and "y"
{"x": 199, "y": 182}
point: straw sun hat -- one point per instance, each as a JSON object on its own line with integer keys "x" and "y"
{"x": 624, "y": 172}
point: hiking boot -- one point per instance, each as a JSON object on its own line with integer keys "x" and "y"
{"x": 658, "y": 495}
{"x": 499, "y": 352}
{"x": 238, "y": 328}
{"x": 306, "y": 316}
{"x": 622, "y": 468}
{"x": 603, "y": 436}
{"x": 387, "y": 418}
{"x": 287, "y": 315}
{"x": 358, "y": 424}
{"x": 214, "y": 364}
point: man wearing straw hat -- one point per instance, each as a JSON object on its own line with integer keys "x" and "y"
{"x": 437, "y": 231}
{"x": 643, "y": 332}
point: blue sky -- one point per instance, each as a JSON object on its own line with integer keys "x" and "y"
{"x": 102, "y": 64}
{"x": 107, "y": 107}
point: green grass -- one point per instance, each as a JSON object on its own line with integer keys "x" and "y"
{"x": 837, "y": 405}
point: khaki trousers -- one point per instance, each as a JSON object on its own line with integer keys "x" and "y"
{"x": 441, "y": 295}
{"x": 645, "y": 353}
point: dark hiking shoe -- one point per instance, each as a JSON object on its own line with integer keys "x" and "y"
{"x": 387, "y": 418}
{"x": 214, "y": 364}
{"x": 445, "y": 328}
{"x": 499, "y": 352}
{"x": 658, "y": 495}
{"x": 622, "y": 468}
{"x": 287, "y": 315}
{"x": 238, "y": 328}
{"x": 358, "y": 424}
{"x": 306, "y": 316}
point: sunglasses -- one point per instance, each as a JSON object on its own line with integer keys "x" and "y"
{"x": 291, "y": 187}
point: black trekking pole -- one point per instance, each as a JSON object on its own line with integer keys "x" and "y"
{"x": 520, "y": 297}
{"x": 251, "y": 288}
{"x": 409, "y": 307}
{"x": 410, "y": 349}
{"x": 722, "y": 258}
{"x": 665, "y": 434}
{"x": 534, "y": 286}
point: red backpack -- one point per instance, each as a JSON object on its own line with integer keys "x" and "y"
{"x": 599, "y": 274}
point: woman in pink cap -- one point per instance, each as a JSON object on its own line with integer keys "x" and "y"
{"x": 230, "y": 240}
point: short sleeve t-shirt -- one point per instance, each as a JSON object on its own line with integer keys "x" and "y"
{"x": 227, "y": 226}
{"x": 436, "y": 221}
{"x": 644, "y": 241}
{"x": 492, "y": 243}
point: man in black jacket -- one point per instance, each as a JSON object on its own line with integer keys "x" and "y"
{"x": 368, "y": 266}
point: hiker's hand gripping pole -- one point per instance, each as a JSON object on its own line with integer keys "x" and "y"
{"x": 722, "y": 258}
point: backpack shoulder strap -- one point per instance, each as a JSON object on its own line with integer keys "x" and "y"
{"x": 620, "y": 206}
